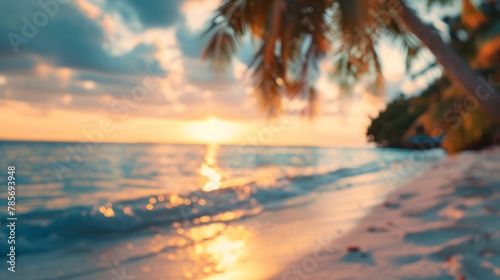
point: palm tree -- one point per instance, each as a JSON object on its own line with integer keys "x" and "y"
{"x": 469, "y": 128}
{"x": 295, "y": 35}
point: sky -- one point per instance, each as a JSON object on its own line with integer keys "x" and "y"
{"x": 130, "y": 71}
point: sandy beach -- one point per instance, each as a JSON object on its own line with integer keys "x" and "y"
{"x": 445, "y": 224}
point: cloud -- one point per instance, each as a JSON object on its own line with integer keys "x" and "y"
{"x": 190, "y": 42}
{"x": 150, "y": 13}
{"x": 13, "y": 64}
{"x": 95, "y": 52}
{"x": 69, "y": 39}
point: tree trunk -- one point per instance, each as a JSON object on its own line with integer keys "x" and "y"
{"x": 457, "y": 70}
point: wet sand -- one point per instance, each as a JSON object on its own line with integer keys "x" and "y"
{"x": 445, "y": 224}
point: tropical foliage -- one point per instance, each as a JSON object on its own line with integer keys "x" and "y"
{"x": 294, "y": 36}
{"x": 389, "y": 128}
{"x": 448, "y": 109}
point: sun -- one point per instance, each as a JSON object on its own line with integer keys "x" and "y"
{"x": 212, "y": 130}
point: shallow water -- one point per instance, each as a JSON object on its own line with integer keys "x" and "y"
{"x": 80, "y": 200}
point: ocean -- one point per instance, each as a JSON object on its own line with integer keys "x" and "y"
{"x": 100, "y": 207}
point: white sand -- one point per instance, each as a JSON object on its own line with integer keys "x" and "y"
{"x": 443, "y": 225}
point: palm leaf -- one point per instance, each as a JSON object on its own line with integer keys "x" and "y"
{"x": 293, "y": 36}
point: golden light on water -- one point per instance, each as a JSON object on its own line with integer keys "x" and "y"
{"x": 213, "y": 178}
{"x": 108, "y": 212}
{"x": 225, "y": 252}
{"x": 210, "y": 171}
{"x": 218, "y": 248}
{"x": 128, "y": 211}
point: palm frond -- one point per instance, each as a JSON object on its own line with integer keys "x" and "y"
{"x": 225, "y": 32}
{"x": 311, "y": 44}
{"x": 400, "y": 38}
{"x": 293, "y": 36}
{"x": 268, "y": 82}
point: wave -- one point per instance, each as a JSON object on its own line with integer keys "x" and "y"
{"x": 50, "y": 230}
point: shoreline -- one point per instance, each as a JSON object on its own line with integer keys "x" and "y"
{"x": 444, "y": 224}
{"x": 305, "y": 237}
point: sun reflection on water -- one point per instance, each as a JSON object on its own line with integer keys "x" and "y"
{"x": 108, "y": 212}
{"x": 210, "y": 171}
{"x": 218, "y": 247}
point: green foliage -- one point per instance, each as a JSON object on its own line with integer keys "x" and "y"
{"x": 442, "y": 107}
{"x": 390, "y": 126}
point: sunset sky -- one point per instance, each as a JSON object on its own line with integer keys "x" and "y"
{"x": 135, "y": 65}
